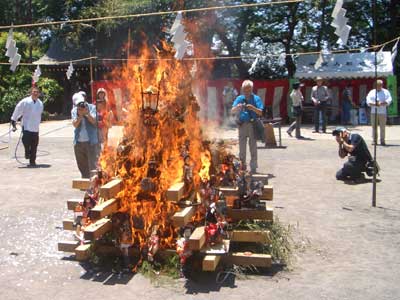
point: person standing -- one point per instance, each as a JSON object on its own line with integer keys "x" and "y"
{"x": 30, "y": 109}
{"x": 248, "y": 108}
{"x": 347, "y": 104}
{"x": 104, "y": 115}
{"x": 379, "y": 99}
{"x": 86, "y": 146}
{"x": 297, "y": 105}
{"x": 229, "y": 94}
{"x": 320, "y": 97}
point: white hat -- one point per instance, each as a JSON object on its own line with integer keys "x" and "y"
{"x": 77, "y": 98}
{"x": 83, "y": 93}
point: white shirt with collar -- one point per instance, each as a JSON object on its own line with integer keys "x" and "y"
{"x": 31, "y": 112}
{"x": 383, "y": 96}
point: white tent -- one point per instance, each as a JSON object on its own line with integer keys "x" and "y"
{"x": 345, "y": 65}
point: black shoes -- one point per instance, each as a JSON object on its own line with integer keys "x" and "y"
{"x": 289, "y": 133}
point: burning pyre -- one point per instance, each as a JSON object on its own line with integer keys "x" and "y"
{"x": 162, "y": 145}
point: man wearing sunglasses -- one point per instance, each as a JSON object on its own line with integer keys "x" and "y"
{"x": 86, "y": 145}
{"x": 30, "y": 109}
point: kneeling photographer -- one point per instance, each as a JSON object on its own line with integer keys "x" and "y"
{"x": 353, "y": 146}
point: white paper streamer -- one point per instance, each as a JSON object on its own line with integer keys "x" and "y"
{"x": 394, "y": 51}
{"x": 36, "y": 74}
{"x": 70, "y": 70}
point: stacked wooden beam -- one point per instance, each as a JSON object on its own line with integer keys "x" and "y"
{"x": 100, "y": 225}
{"x": 213, "y": 255}
{"x": 247, "y": 258}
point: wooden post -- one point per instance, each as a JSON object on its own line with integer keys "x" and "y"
{"x": 175, "y": 192}
{"x": 260, "y": 177}
{"x": 251, "y": 214}
{"x": 268, "y": 192}
{"x": 82, "y": 252}
{"x": 111, "y": 189}
{"x": 81, "y": 183}
{"x": 270, "y": 140}
{"x": 197, "y": 239}
{"x": 68, "y": 246}
{"x": 210, "y": 262}
{"x": 68, "y": 224}
{"x": 254, "y": 236}
{"x": 181, "y": 218}
{"x": 104, "y": 209}
{"x": 72, "y": 203}
{"x": 97, "y": 229}
{"x": 250, "y": 259}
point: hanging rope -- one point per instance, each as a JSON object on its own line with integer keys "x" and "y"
{"x": 210, "y": 58}
{"x": 158, "y": 13}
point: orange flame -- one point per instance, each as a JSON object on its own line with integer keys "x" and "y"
{"x": 154, "y": 151}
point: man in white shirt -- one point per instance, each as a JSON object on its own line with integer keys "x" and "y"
{"x": 378, "y": 99}
{"x": 30, "y": 109}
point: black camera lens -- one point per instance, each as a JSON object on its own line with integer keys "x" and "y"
{"x": 81, "y": 105}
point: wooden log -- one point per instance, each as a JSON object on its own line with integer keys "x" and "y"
{"x": 111, "y": 189}
{"x": 210, "y": 262}
{"x": 104, "y": 209}
{"x": 68, "y": 246}
{"x": 175, "y": 192}
{"x": 250, "y": 259}
{"x": 97, "y": 229}
{"x": 181, "y": 218}
{"x": 68, "y": 224}
{"x": 229, "y": 191}
{"x": 251, "y": 214}
{"x": 81, "y": 183}
{"x": 268, "y": 192}
{"x": 72, "y": 203}
{"x": 260, "y": 177}
{"x": 254, "y": 236}
{"x": 197, "y": 239}
{"x": 82, "y": 252}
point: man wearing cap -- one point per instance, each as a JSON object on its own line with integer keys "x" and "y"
{"x": 248, "y": 107}
{"x": 85, "y": 135}
{"x": 379, "y": 99}
{"x": 353, "y": 146}
{"x": 320, "y": 97}
{"x": 30, "y": 109}
{"x": 297, "y": 105}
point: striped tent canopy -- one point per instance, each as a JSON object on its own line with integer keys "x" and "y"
{"x": 345, "y": 65}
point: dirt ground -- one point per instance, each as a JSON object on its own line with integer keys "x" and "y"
{"x": 344, "y": 248}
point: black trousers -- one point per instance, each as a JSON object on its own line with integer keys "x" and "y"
{"x": 351, "y": 170}
{"x": 320, "y": 108}
{"x": 30, "y": 140}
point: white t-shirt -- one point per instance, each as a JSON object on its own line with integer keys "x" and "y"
{"x": 31, "y": 112}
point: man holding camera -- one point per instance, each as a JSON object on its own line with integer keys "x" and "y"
{"x": 248, "y": 108}
{"x": 30, "y": 109}
{"x": 353, "y": 146}
{"x": 86, "y": 144}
